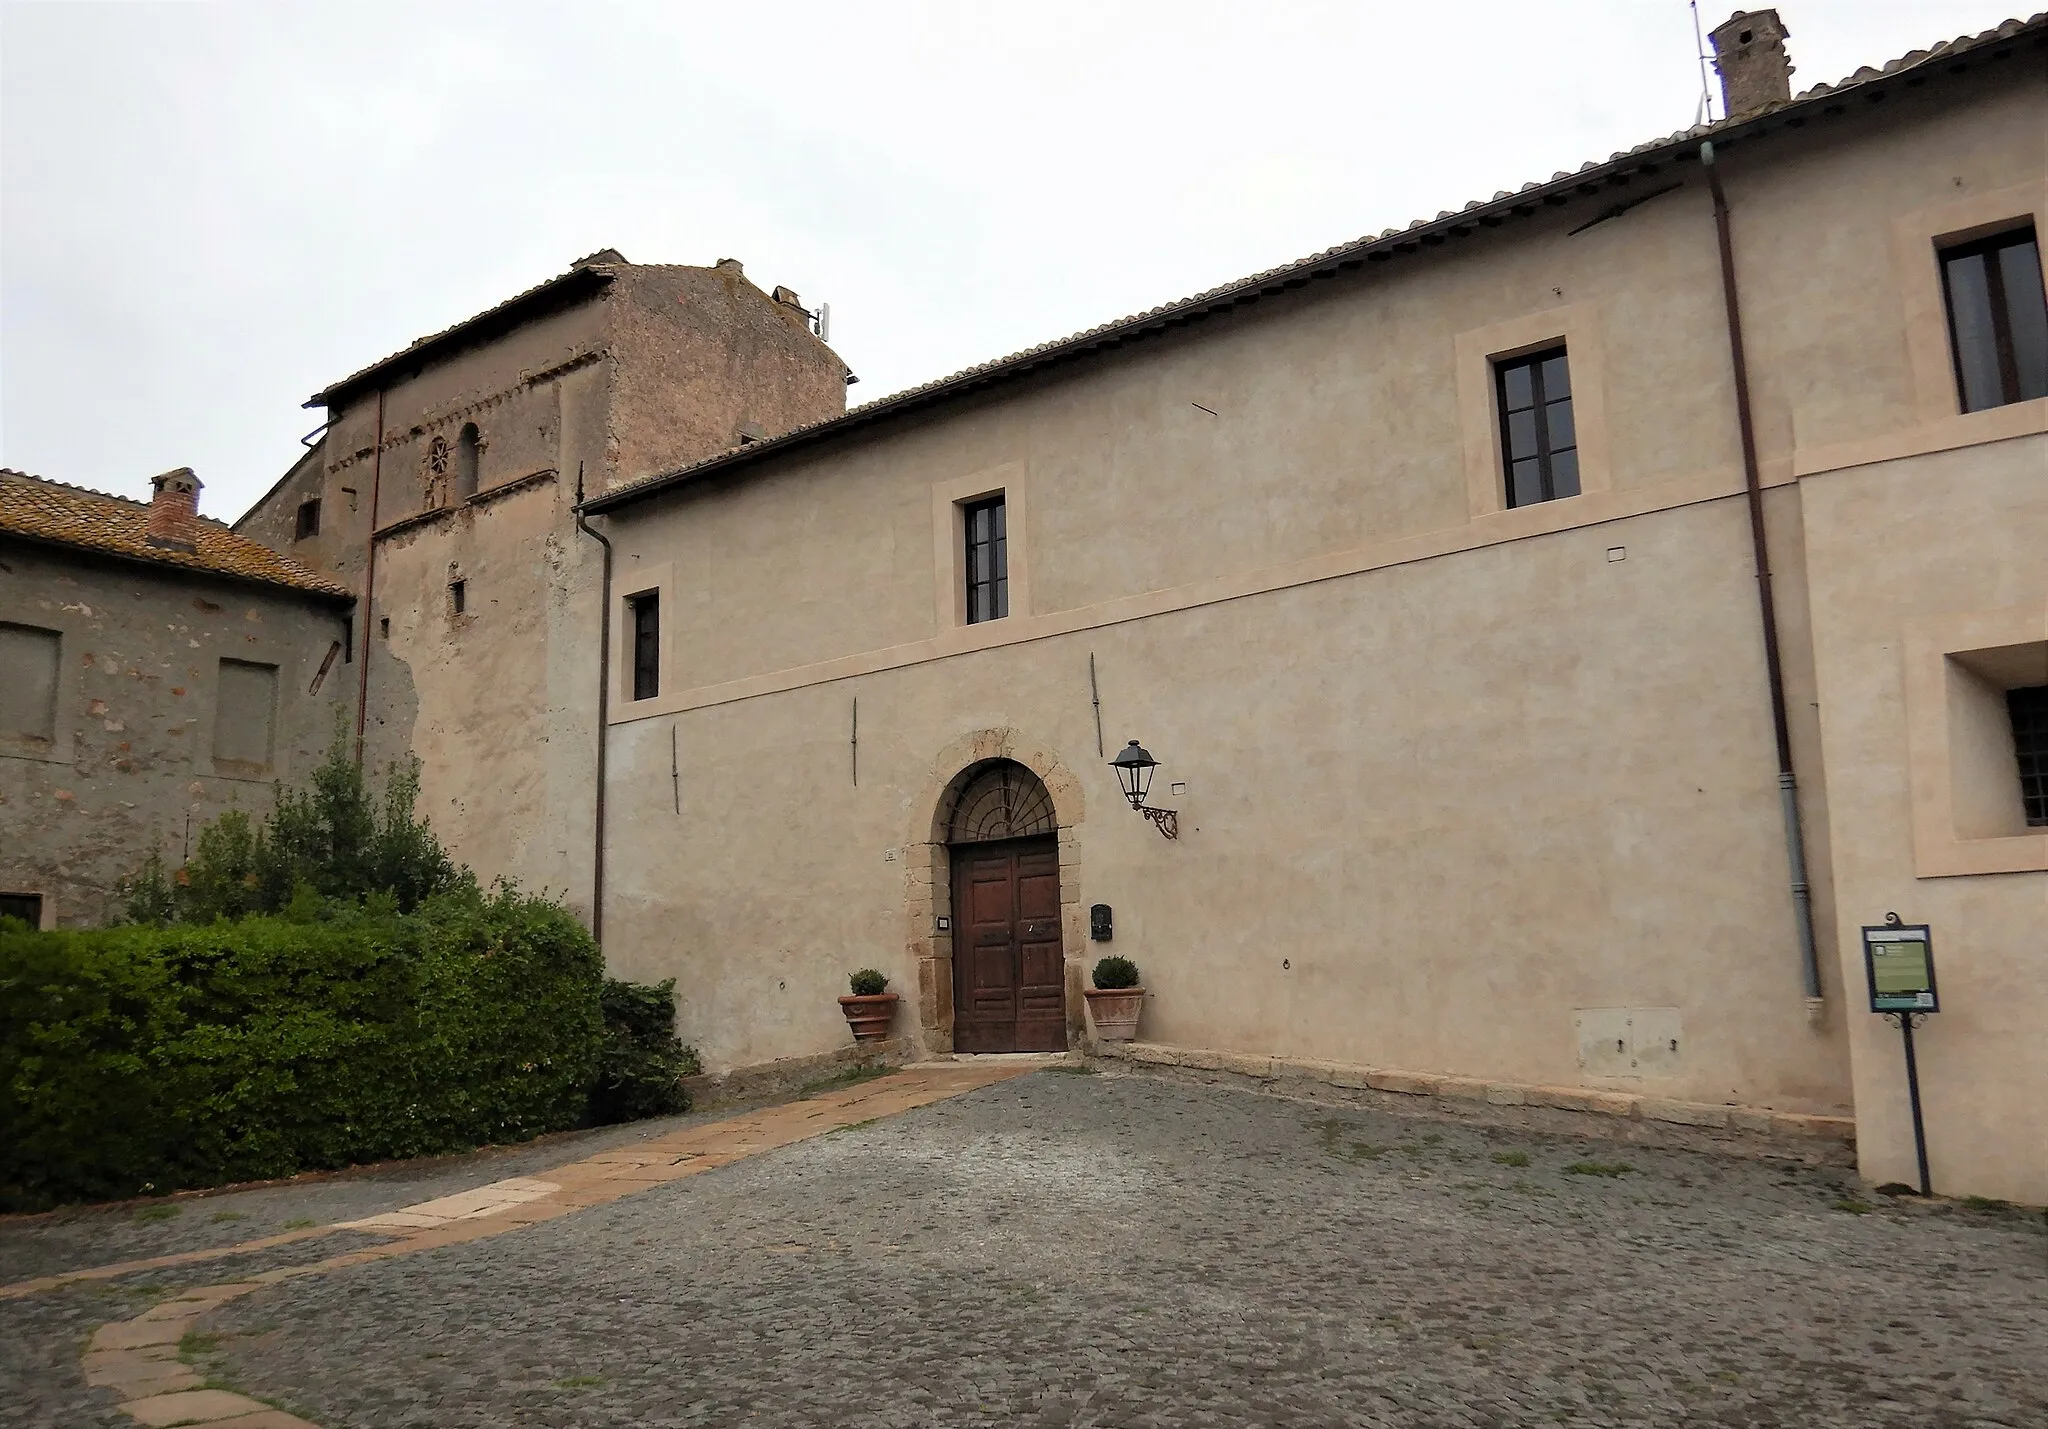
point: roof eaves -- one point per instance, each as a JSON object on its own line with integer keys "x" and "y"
{"x": 580, "y": 281}
{"x": 1616, "y": 170}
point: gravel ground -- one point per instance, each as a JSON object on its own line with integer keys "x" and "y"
{"x": 1121, "y": 1250}
{"x": 43, "y": 1335}
{"x": 135, "y": 1230}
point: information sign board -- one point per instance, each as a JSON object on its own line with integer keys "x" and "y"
{"x": 1900, "y": 961}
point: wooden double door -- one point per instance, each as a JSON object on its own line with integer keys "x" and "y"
{"x": 1009, "y": 975}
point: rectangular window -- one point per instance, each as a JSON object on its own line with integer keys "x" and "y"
{"x": 988, "y": 560}
{"x": 28, "y": 681}
{"x": 309, "y": 519}
{"x": 458, "y": 596}
{"x": 26, "y": 906}
{"x": 1997, "y": 319}
{"x": 244, "y": 715}
{"x": 1539, "y": 444}
{"x": 2029, "y": 710}
{"x": 646, "y": 644}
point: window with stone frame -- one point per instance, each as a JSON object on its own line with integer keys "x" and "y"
{"x": 1539, "y": 441}
{"x": 1997, "y": 319}
{"x": 645, "y": 610}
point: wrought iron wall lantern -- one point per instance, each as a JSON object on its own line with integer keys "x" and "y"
{"x": 1134, "y": 768}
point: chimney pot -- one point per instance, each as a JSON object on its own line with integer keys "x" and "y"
{"x": 1749, "y": 54}
{"x": 174, "y": 511}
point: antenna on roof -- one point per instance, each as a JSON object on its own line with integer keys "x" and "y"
{"x": 1704, "y": 114}
{"x": 821, "y": 322}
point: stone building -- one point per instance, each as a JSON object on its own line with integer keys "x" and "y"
{"x": 1562, "y": 625}
{"x": 442, "y": 491}
{"x": 155, "y": 670}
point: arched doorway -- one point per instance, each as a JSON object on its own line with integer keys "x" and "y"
{"x": 1009, "y": 972}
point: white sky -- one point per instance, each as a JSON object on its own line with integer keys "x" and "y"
{"x": 209, "y": 211}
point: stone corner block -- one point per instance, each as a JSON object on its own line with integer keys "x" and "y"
{"x": 1684, "y": 1113}
{"x": 1157, "y": 1053}
{"x": 1414, "y": 1084}
{"x": 1584, "y": 1099}
{"x": 1247, "y": 1064}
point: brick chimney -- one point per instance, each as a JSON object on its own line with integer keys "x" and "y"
{"x": 1749, "y": 52}
{"x": 174, "y": 511}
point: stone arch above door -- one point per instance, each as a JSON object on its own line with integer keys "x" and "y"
{"x": 998, "y": 800}
{"x": 928, "y": 895}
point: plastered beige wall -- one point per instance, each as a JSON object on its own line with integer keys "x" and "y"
{"x": 1978, "y": 524}
{"x": 1453, "y": 773}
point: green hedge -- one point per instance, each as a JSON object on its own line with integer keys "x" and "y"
{"x": 145, "y": 1059}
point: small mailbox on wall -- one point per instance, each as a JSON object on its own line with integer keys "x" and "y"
{"x": 1899, "y": 959}
{"x": 1100, "y": 929}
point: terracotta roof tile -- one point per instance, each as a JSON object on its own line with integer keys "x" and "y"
{"x": 40, "y": 510}
{"x": 1586, "y": 179}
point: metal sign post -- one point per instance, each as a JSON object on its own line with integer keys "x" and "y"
{"x": 1899, "y": 958}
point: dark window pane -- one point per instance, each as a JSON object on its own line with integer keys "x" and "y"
{"x": 1974, "y": 332}
{"x": 1557, "y": 381}
{"x": 1521, "y": 434}
{"x": 2026, "y": 310}
{"x": 1564, "y": 474}
{"x": 646, "y": 646}
{"x": 1525, "y": 483}
{"x": 1514, "y": 383}
{"x": 987, "y": 561}
{"x": 1557, "y": 420}
{"x": 2029, "y": 710}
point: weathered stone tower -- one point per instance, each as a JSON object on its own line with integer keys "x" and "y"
{"x": 443, "y": 493}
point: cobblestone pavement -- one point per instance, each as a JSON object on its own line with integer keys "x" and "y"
{"x": 1120, "y": 1250}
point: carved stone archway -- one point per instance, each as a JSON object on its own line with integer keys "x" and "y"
{"x": 928, "y": 892}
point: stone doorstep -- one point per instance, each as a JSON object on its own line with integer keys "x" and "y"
{"x": 1755, "y": 1121}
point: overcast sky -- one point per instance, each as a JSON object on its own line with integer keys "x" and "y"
{"x": 209, "y": 211}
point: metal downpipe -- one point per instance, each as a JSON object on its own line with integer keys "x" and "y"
{"x": 1788, "y": 785}
{"x": 604, "y": 689}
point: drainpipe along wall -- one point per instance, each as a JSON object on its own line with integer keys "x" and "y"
{"x": 1788, "y": 784}
{"x": 604, "y": 667}
{"x": 369, "y": 603}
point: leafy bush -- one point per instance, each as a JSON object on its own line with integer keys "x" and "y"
{"x": 331, "y": 841}
{"x": 1114, "y": 974}
{"x": 867, "y": 983}
{"x": 145, "y": 1058}
{"x": 641, "y": 1066}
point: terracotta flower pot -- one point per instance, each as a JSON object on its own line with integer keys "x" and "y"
{"x": 870, "y": 1016}
{"x": 1114, "y": 1011}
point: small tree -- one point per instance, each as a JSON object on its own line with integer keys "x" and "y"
{"x": 331, "y": 840}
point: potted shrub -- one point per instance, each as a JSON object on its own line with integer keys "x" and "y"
{"x": 1115, "y": 1000}
{"x": 871, "y": 1008}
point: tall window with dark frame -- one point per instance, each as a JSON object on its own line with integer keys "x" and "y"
{"x": 988, "y": 560}
{"x": 646, "y": 612}
{"x": 1997, "y": 319}
{"x": 1539, "y": 443}
{"x": 309, "y": 519}
{"x": 2029, "y": 710}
